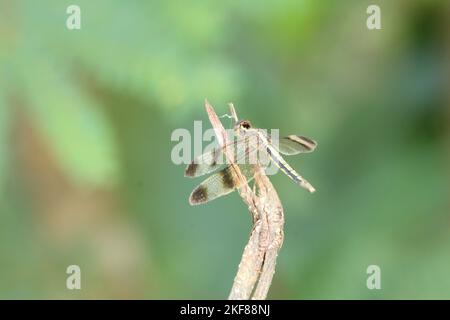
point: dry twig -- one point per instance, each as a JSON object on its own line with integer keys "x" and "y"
{"x": 257, "y": 266}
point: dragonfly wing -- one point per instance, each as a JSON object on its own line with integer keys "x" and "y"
{"x": 205, "y": 163}
{"x": 294, "y": 144}
{"x": 212, "y": 160}
{"x": 288, "y": 170}
{"x": 221, "y": 183}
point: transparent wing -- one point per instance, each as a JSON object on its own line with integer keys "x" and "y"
{"x": 221, "y": 183}
{"x": 214, "y": 159}
{"x": 288, "y": 170}
{"x": 294, "y": 144}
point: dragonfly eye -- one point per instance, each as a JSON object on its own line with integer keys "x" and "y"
{"x": 245, "y": 124}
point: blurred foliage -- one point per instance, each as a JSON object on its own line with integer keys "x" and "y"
{"x": 86, "y": 118}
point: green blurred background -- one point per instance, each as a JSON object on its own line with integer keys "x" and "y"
{"x": 85, "y": 124}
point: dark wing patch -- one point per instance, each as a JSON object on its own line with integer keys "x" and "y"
{"x": 191, "y": 170}
{"x": 305, "y": 142}
{"x": 227, "y": 179}
{"x": 199, "y": 195}
{"x": 220, "y": 183}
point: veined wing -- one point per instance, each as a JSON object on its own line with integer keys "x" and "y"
{"x": 286, "y": 168}
{"x": 221, "y": 183}
{"x": 212, "y": 160}
{"x": 294, "y": 144}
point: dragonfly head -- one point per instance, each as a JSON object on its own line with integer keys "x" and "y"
{"x": 243, "y": 125}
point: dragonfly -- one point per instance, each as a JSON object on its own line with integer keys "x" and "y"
{"x": 249, "y": 141}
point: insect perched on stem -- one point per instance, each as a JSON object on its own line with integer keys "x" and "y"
{"x": 252, "y": 146}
